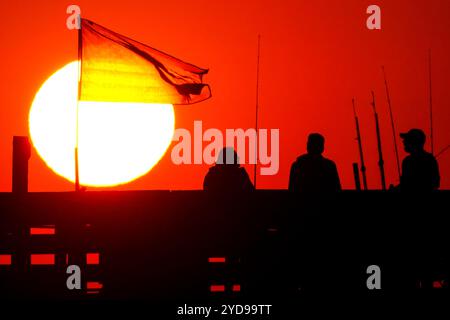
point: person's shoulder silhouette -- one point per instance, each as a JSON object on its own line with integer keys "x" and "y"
{"x": 227, "y": 175}
{"x": 312, "y": 172}
{"x": 420, "y": 170}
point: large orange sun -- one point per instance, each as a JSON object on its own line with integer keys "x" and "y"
{"x": 118, "y": 142}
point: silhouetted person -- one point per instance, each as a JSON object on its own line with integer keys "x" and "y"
{"x": 227, "y": 174}
{"x": 420, "y": 170}
{"x": 312, "y": 172}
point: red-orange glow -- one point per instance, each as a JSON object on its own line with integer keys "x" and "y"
{"x": 42, "y": 231}
{"x": 217, "y": 260}
{"x": 5, "y": 259}
{"x": 91, "y": 285}
{"x": 43, "y": 259}
{"x": 437, "y": 284}
{"x": 236, "y": 288}
{"x": 217, "y": 288}
{"x": 93, "y": 258}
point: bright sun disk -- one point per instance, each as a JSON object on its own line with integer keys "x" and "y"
{"x": 118, "y": 142}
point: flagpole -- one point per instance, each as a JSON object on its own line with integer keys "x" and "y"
{"x": 80, "y": 56}
{"x": 256, "y": 115}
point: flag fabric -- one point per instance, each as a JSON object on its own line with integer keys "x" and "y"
{"x": 115, "y": 68}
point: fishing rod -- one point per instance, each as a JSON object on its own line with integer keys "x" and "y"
{"x": 380, "y": 152}
{"x": 392, "y": 123}
{"x": 361, "y": 154}
{"x": 442, "y": 151}
{"x": 356, "y": 176}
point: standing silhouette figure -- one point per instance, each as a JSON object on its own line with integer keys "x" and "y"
{"x": 420, "y": 170}
{"x": 312, "y": 172}
{"x": 227, "y": 174}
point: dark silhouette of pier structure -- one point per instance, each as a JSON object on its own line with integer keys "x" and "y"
{"x": 205, "y": 245}
{"x": 162, "y": 245}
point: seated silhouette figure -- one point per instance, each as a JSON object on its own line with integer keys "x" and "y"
{"x": 420, "y": 170}
{"x": 312, "y": 172}
{"x": 227, "y": 174}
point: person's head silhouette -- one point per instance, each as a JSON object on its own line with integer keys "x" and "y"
{"x": 413, "y": 140}
{"x": 227, "y": 156}
{"x": 316, "y": 144}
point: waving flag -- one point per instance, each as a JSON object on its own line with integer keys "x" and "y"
{"x": 115, "y": 68}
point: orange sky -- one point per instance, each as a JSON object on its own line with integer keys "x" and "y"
{"x": 316, "y": 55}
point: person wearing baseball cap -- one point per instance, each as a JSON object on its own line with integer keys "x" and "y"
{"x": 420, "y": 170}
